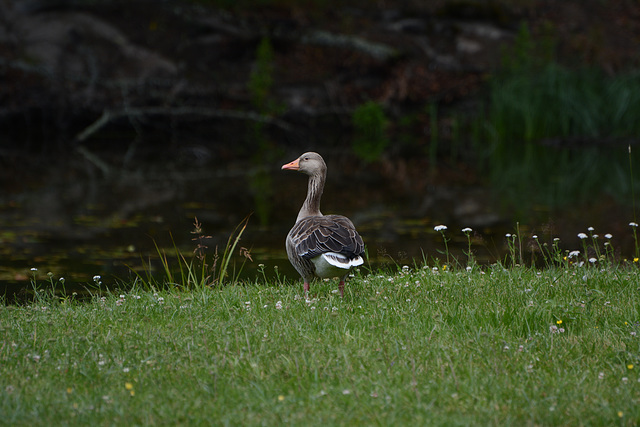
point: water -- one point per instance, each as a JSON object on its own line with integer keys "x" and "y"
{"x": 77, "y": 223}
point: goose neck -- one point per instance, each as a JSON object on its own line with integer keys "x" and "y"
{"x": 311, "y": 205}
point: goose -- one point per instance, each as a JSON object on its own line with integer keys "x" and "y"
{"x": 320, "y": 245}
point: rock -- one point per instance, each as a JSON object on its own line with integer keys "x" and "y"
{"x": 78, "y": 46}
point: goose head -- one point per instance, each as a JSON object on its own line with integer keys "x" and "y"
{"x": 310, "y": 163}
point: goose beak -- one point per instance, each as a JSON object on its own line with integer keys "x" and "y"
{"x": 292, "y": 166}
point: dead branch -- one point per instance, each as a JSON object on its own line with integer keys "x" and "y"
{"x": 324, "y": 38}
{"x": 108, "y": 116}
{"x": 104, "y": 167}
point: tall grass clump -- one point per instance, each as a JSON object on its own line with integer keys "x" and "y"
{"x": 198, "y": 269}
{"x": 556, "y": 134}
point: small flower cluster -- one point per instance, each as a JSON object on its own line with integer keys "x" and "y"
{"x": 554, "y": 329}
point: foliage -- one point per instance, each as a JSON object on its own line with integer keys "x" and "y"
{"x": 442, "y": 345}
{"x": 497, "y": 346}
{"x": 260, "y": 87}
{"x": 370, "y": 124}
{"x": 555, "y": 135}
{"x": 261, "y": 78}
{"x": 196, "y": 271}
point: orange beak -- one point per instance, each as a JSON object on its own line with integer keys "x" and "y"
{"x": 292, "y": 166}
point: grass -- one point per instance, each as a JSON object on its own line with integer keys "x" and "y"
{"x": 421, "y": 346}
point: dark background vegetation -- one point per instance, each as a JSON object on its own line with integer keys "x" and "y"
{"x": 115, "y": 103}
{"x": 185, "y": 79}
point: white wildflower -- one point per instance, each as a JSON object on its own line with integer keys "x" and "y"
{"x": 440, "y": 227}
{"x": 582, "y": 236}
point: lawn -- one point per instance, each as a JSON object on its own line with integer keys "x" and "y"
{"x": 420, "y": 346}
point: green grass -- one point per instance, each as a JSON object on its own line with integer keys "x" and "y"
{"x": 418, "y": 347}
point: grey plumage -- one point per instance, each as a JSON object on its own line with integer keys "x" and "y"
{"x": 321, "y": 245}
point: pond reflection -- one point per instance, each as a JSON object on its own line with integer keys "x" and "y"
{"x": 76, "y": 224}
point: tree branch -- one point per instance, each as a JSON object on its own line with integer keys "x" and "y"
{"x": 108, "y": 116}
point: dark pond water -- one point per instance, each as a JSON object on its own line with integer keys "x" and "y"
{"x": 75, "y": 222}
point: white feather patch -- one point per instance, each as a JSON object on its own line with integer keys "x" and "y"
{"x": 333, "y": 264}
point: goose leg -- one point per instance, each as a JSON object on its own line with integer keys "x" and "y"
{"x": 306, "y": 288}
{"x": 341, "y": 287}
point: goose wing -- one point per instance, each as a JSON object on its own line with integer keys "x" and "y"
{"x": 315, "y": 235}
